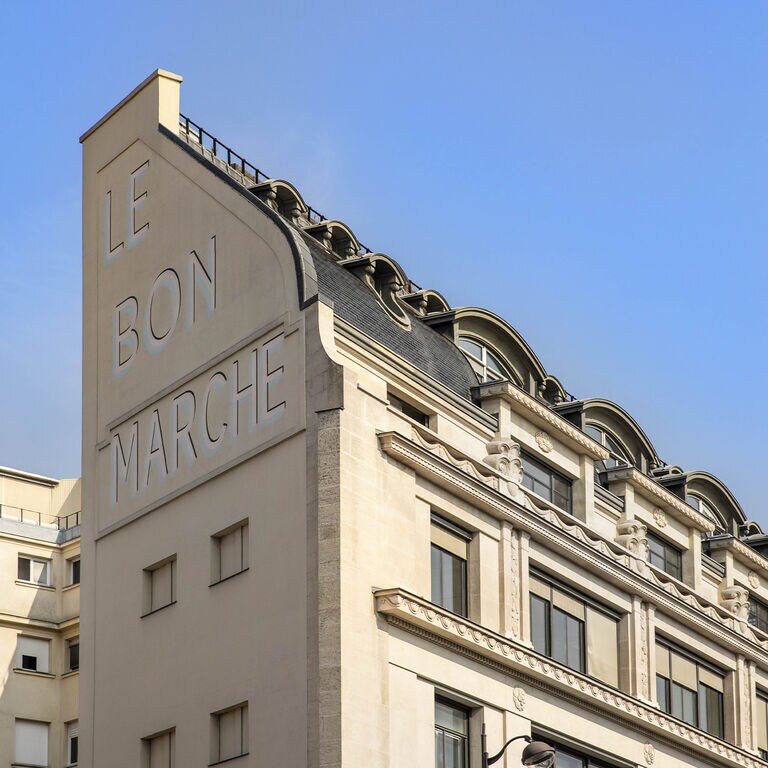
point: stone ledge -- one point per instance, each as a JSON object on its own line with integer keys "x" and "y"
{"x": 416, "y": 614}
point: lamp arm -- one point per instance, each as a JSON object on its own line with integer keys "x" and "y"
{"x": 497, "y": 756}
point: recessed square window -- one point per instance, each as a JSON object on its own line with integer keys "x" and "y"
{"x": 34, "y": 570}
{"x": 229, "y": 553}
{"x": 160, "y": 750}
{"x": 73, "y": 570}
{"x": 32, "y": 653}
{"x": 160, "y": 585}
{"x": 229, "y": 733}
{"x": 73, "y": 654}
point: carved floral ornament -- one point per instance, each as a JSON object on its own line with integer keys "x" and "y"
{"x": 544, "y": 441}
{"x": 649, "y": 753}
{"x": 754, "y": 580}
{"x": 659, "y": 517}
{"x": 518, "y": 697}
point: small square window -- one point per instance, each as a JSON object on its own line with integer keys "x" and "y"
{"x": 34, "y": 571}
{"x": 73, "y": 570}
{"x": 73, "y": 654}
{"x": 229, "y": 554}
{"x": 160, "y": 750}
{"x": 229, "y": 733}
{"x": 160, "y": 585}
{"x": 72, "y": 742}
{"x": 32, "y": 654}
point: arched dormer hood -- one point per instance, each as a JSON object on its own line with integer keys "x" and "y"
{"x": 615, "y": 422}
{"x": 337, "y": 237}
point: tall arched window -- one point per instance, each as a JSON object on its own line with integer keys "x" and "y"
{"x": 484, "y": 363}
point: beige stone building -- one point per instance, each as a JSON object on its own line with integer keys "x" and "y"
{"x": 39, "y": 619}
{"x": 330, "y": 520}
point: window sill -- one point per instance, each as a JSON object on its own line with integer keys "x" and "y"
{"x": 35, "y": 585}
{"x": 28, "y": 765}
{"x": 157, "y": 610}
{"x": 70, "y": 673}
{"x": 33, "y": 673}
{"x": 66, "y": 589}
{"x": 229, "y": 759}
{"x": 221, "y": 581}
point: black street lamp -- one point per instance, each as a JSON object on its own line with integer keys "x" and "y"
{"x": 537, "y": 754}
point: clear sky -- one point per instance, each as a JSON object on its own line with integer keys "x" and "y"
{"x": 594, "y": 172}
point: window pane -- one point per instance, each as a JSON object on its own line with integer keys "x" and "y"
{"x": 662, "y": 689}
{"x": 711, "y": 710}
{"x": 75, "y": 571}
{"x": 24, "y": 569}
{"x": 451, "y": 729}
{"x": 472, "y": 348}
{"x": 568, "y": 760}
{"x": 448, "y": 581}
{"x": 540, "y": 624}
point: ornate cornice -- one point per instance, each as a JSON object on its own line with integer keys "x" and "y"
{"x": 539, "y": 414}
{"x": 416, "y": 614}
{"x": 741, "y": 552}
{"x": 503, "y": 499}
{"x": 660, "y": 495}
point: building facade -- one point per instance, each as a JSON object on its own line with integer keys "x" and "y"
{"x": 331, "y": 520}
{"x": 39, "y": 619}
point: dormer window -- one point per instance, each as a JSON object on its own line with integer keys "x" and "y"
{"x": 703, "y": 508}
{"x": 618, "y": 454}
{"x": 484, "y": 363}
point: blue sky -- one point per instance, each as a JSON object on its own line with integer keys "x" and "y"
{"x": 594, "y": 172}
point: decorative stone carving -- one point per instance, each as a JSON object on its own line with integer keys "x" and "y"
{"x": 754, "y": 580}
{"x": 544, "y": 441}
{"x": 659, "y": 517}
{"x": 633, "y": 535}
{"x": 518, "y": 697}
{"x": 644, "y": 688}
{"x": 504, "y": 457}
{"x": 649, "y": 753}
{"x": 514, "y": 585}
{"x": 736, "y": 600}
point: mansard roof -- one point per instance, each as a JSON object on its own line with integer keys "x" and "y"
{"x": 422, "y": 346}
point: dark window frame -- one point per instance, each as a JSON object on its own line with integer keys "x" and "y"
{"x": 758, "y": 614}
{"x": 534, "y": 484}
{"x": 700, "y": 711}
{"x": 442, "y": 731}
{"x": 439, "y": 558}
{"x": 667, "y": 557}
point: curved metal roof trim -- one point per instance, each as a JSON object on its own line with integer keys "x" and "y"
{"x": 493, "y": 320}
{"x": 617, "y": 410}
{"x": 716, "y": 482}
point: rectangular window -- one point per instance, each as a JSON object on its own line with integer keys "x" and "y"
{"x": 573, "y": 630}
{"x": 34, "y": 570}
{"x": 449, "y": 549}
{"x": 451, "y": 735}
{"x": 73, "y": 570}
{"x": 758, "y": 614}
{"x": 761, "y": 717}
{"x": 32, "y": 653}
{"x": 160, "y": 585}
{"x": 570, "y": 758}
{"x": 230, "y": 733}
{"x": 72, "y": 743}
{"x": 73, "y": 654}
{"x": 230, "y": 552}
{"x": 411, "y": 411}
{"x": 160, "y": 750}
{"x": 665, "y": 556}
{"x": 544, "y": 481}
{"x": 689, "y": 689}
{"x": 31, "y": 743}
